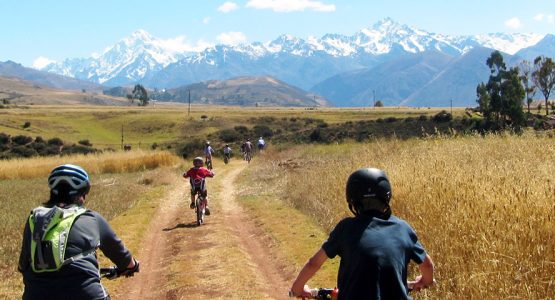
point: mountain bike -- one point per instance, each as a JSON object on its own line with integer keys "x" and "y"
{"x": 227, "y": 157}
{"x": 200, "y": 207}
{"x": 248, "y": 157}
{"x": 322, "y": 293}
{"x": 208, "y": 164}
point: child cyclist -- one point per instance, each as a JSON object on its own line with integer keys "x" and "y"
{"x": 197, "y": 175}
{"x": 375, "y": 246}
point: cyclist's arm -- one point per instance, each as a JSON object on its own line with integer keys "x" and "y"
{"x": 426, "y": 278}
{"x": 309, "y": 269}
{"x": 25, "y": 247}
{"x": 112, "y": 246}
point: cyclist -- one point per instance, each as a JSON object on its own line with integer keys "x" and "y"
{"x": 208, "y": 151}
{"x": 58, "y": 254}
{"x": 261, "y": 144}
{"x": 197, "y": 175}
{"x": 246, "y": 148}
{"x": 227, "y": 152}
{"x": 375, "y": 247}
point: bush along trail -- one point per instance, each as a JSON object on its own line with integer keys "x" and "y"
{"x": 231, "y": 256}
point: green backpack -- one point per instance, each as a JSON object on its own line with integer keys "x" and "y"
{"x": 49, "y": 235}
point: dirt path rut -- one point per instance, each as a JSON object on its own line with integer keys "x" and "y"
{"x": 227, "y": 258}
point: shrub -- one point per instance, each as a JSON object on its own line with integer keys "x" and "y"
{"x": 315, "y": 135}
{"x": 22, "y": 140}
{"x": 4, "y": 139}
{"x": 323, "y": 125}
{"x": 391, "y": 119}
{"x": 85, "y": 143}
{"x": 263, "y": 130}
{"x": 423, "y": 118}
{"x": 23, "y": 151}
{"x": 229, "y": 135}
{"x": 442, "y": 117}
{"x": 78, "y": 149}
{"x": 241, "y": 129}
{"x": 55, "y": 142}
{"x": 27, "y": 124}
{"x": 154, "y": 146}
{"x": 39, "y": 139}
{"x": 191, "y": 148}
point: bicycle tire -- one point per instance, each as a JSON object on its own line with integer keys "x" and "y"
{"x": 199, "y": 211}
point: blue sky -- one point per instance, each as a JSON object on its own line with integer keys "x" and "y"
{"x": 59, "y": 29}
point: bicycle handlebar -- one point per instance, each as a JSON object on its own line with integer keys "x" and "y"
{"x": 321, "y": 293}
{"x": 109, "y": 273}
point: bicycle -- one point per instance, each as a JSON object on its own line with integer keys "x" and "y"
{"x": 248, "y": 157}
{"x": 227, "y": 157}
{"x": 200, "y": 207}
{"x": 208, "y": 164}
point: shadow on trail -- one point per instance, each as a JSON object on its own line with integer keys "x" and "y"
{"x": 181, "y": 225}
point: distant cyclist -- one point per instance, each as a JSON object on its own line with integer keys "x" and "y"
{"x": 246, "y": 148}
{"x": 261, "y": 144}
{"x": 197, "y": 175}
{"x": 58, "y": 257}
{"x": 375, "y": 246}
{"x": 208, "y": 151}
{"x": 227, "y": 153}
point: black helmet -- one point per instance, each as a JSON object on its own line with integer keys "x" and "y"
{"x": 367, "y": 187}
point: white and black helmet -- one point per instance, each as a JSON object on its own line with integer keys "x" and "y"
{"x": 74, "y": 177}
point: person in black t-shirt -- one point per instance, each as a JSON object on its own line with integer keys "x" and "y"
{"x": 375, "y": 247}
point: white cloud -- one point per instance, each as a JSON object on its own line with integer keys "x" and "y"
{"x": 42, "y": 62}
{"x": 206, "y": 20}
{"x": 513, "y": 23}
{"x": 232, "y": 38}
{"x": 291, "y": 5}
{"x": 543, "y": 17}
{"x": 228, "y": 7}
{"x": 180, "y": 44}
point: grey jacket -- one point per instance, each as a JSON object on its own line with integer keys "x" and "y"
{"x": 79, "y": 279}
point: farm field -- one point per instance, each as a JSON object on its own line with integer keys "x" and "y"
{"x": 482, "y": 206}
{"x": 162, "y": 123}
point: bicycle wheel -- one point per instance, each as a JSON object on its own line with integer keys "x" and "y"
{"x": 199, "y": 209}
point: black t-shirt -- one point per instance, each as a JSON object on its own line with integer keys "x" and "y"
{"x": 374, "y": 255}
{"x": 79, "y": 279}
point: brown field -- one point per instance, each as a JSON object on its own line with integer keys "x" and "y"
{"x": 482, "y": 206}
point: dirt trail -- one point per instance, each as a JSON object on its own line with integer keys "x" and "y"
{"x": 228, "y": 257}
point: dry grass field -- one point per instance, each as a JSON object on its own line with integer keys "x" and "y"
{"x": 120, "y": 182}
{"x": 482, "y": 206}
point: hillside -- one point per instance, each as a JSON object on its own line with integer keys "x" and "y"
{"x": 17, "y": 91}
{"x": 244, "y": 91}
{"x": 12, "y": 69}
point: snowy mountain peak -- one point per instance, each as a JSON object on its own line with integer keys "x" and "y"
{"x": 139, "y": 56}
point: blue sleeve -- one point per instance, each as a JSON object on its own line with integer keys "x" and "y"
{"x": 418, "y": 253}
{"x": 332, "y": 245}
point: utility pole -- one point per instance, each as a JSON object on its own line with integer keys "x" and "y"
{"x": 122, "y": 136}
{"x": 374, "y": 98}
{"x": 189, "y": 113}
{"x": 451, "y": 106}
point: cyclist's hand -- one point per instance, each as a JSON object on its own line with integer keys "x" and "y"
{"x": 110, "y": 273}
{"x": 305, "y": 293}
{"x": 130, "y": 271}
{"x": 418, "y": 284}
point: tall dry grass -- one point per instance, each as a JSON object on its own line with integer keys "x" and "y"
{"x": 112, "y": 162}
{"x": 482, "y": 206}
{"x": 118, "y": 184}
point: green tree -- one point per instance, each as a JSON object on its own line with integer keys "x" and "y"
{"x": 378, "y": 103}
{"x": 500, "y": 99}
{"x": 526, "y": 70}
{"x": 544, "y": 77}
{"x": 139, "y": 92}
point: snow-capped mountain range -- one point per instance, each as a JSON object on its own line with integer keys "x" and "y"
{"x": 142, "y": 58}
